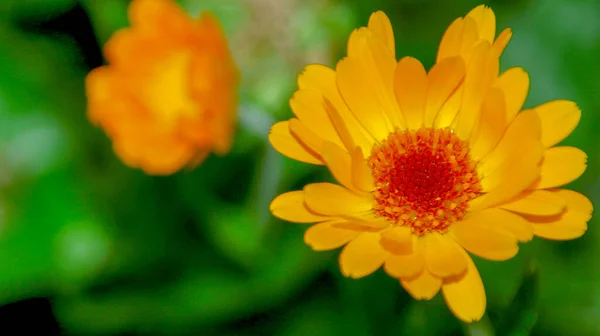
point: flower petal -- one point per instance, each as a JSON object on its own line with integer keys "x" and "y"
{"x": 480, "y": 235}
{"x": 514, "y": 83}
{"x": 560, "y": 166}
{"x": 559, "y": 118}
{"x": 486, "y": 22}
{"x": 422, "y": 287}
{"x": 306, "y": 136}
{"x": 459, "y": 39}
{"x": 309, "y": 108}
{"x": 570, "y": 224}
{"x": 324, "y": 236}
{"x": 502, "y": 41}
{"x": 282, "y": 140}
{"x": 290, "y": 207}
{"x": 410, "y": 87}
{"x": 443, "y": 256}
{"x": 401, "y": 266}
{"x": 362, "y": 256}
{"x": 397, "y": 240}
{"x": 536, "y": 202}
{"x": 339, "y": 163}
{"x": 323, "y": 79}
{"x": 381, "y": 27}
{"x": 465, "y": 296}
{"x": 491, "y": 125}
{"x": 362, "y": 178}
{"x": 514, "y": 224}
{"x": 482, "y": 70}
{"x": 332, "y": 199}
{"x": 443, "y": 80}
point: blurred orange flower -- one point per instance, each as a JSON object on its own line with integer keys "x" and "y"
{"x": 168, "y": 96}
{"x": 432, "y": 164}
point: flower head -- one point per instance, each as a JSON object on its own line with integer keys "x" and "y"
{"x": 167, "y": 97}
{"x": 432, "y": 163}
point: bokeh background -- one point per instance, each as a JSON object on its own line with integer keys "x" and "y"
{"x": 89, "y": 246}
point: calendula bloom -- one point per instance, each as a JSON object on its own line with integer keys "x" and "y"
{"x": 167, "y": 97}
{"x": 432, "y": 164}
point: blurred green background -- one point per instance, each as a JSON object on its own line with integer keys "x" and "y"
{"x": 111, "y": 251}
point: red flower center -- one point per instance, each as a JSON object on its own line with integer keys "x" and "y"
{"x": 423, "y": 179}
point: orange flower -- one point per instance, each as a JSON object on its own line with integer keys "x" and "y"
{"x": 432, "y": 164}
{"x": 168, "y": 96}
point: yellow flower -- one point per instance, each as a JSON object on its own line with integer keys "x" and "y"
{"x": 431, "y": 163}
{"x": 168, "y": 96}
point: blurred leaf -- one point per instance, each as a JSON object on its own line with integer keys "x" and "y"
{"x": 522, "y": 314}
{"x": 34, "y": 9}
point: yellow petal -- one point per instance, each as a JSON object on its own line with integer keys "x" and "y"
{"x": 306, "y": 136}
{"x": 482, "y": 69}
{"x": 323, "y": 79}
{"x": 443, "y": 80}
{"x": 486, "y": 22}
{"x": 308, "y": 106}
{"x": 381, "y": 27}
{"x": 479, "y": 235}
{"x": 443, "y": 256}
{"x": 282, "y": 140}
{"x": 514, "y": 83}
{"x": 397, "y": 240}
{"x": 447, "y": 115}
{"x": 358, "y": 93}
{"x": 324, "y": 236}
{"x": 377, "y": 64}
{"x": 502, "y": 41}
{"x": 404, "y": 265}
{"x": 339, "y": 125}
{"x": 536, "y": 202}
{"x": 362, "y": 178}
{"x": 514, "y": 224}
{"x": 459, "y": 39}
{"x": 559, "y": 118}
{"x": 491, "y": 125}
{"x": 465, "y": 296}
{"x": 560, "y": 166}
{"x": 362, "y": 256}
{"x": 570, "y": 224}
{"x": 410, "y": 87}
{"x": 291, "y": 207}
{"x": 422, "y": 287}
{"x": 339, "y": 163}
{"x": 332, "y": 199}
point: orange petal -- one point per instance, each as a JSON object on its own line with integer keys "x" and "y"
{"x": 282, "y": 140}
{"x": 381, "y": 27}
{"x": 486, "y": 22}
{"x": 482, "y": 69}
{"x": 559, "y": 118}
{"x": 339, "y": 125}
{"x": 479, "y": 235}
{"x": 443, "y": 80}
{"x": 410, "y": 87}
{"x": 422, "y": 287}
{"x": 306, "y": 136}
{"x": 560, "y": 166}
{"x": 570, "y": 224}
{"x": 308, "y": 106}
{"x": 397, "y": 240}
{"x": 514, "y": 224}
{"x": 536, "y": 202}
{"x": 502, "y": 41}
{"x": 465, "y": 296}
{"x": 362, "y": 178}
{"x": 443, "y": 256}
{"x": 362, "y": 256}
{"x": 291, "y": 207}
{"x": 514, "y": 83}
{"x": 403, "y": 266}
{"x": 323, "y": 79}
{"x": 491, "y": 126}
{"x": 459, "y": 39}
{"x": 324, "y": 236}
{"x": 332, "y": 199}
{"x": 339, "y": 163}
